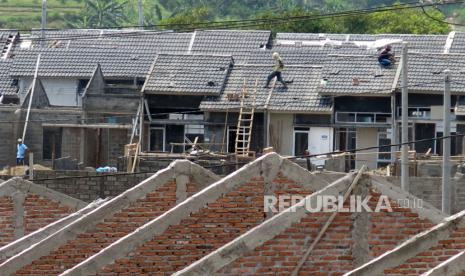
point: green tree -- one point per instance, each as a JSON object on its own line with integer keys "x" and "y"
{"x": 100, "y": 13}
{"x": 407, "y": 21}
{"x": 186, "y": 20}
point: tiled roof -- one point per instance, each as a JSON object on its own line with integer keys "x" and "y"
{"x": 300, "y": 56}
{"x": 7, "y": 84}
{"x": 227, "y": 42}
{"x": 342, "y": 73}
{"x": 425, "y": 43}
{"x": 300, "y": 96}
{"x": 188, "y": 74}
{"x": 458, "y": 45}
{"x": 425, "y": 73}
{"x": 80, "y": 63}
{"x": 143, "y": 42}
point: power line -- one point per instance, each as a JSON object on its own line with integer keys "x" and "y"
{"x": 291, "y": 157}
{"x": 238, "y": 24}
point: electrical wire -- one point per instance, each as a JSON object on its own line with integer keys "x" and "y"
{"x": 238, "y": 24}
{"x": 290, "y": 157}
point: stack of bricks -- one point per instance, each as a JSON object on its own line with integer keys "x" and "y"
{"x": 7, "y": 227}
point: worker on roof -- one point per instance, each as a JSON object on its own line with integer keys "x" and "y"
{"x": 20, "y": 152}
{"x": 277, "y": 69}
{"x": 385, "y": 57}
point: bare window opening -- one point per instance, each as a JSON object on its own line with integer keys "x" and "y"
{"x": 51, "y": 145}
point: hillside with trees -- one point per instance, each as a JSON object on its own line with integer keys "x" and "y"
{"x": 187, "y": 14}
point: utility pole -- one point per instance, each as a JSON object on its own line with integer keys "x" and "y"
{"x": 44, "y": 22}
{"x": 404, "y": 158}
{"x": 141, "y": 14}
{"x": 31, "y": 97}
{"x": 446, "y": 200}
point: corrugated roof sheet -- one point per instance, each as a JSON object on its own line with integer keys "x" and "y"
{"x": 300, "y": 96}
{"x": 188, "y": 74}
{"x": 80, "y": 63}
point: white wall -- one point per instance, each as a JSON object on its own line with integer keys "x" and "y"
{"x": 320, "y": 141}
{"x": 367, "y": 137}
{"x": 60, "y": 92}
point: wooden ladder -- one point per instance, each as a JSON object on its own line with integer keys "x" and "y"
{"x": 245, "y": 124}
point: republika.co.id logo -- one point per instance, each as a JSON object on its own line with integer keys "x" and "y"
{"x": 331, "y": 203}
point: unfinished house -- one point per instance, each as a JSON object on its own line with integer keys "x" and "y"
{"x": 185, "y": 220}
{"x": 361, "y": 91}
{"x": 283, "y": 116}
{"x": 107, "y": 81}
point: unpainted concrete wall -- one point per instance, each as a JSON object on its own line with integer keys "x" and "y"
{"x": 282, "y": 133}
{"x": 88, "y": 186}
{"x": 430, "y": 190}
{"x": 60, "y": 92}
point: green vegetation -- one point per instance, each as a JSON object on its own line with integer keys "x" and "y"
{"x": 25, "y": 14}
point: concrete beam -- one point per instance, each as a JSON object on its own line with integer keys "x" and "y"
{"x": 411, "y": 247}
{"x": 19, "y": 245}
{"x": 89, "y": 220}
{"x": 453, "y": 266}
{"x": 266, "y": 231}
{"x": 266, "y": 166}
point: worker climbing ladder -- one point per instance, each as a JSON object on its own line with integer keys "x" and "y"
{"x": 245, "y": 123}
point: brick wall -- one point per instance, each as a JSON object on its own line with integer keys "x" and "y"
{"x": 432, "y": 257}
{"x": 111, "y": 229}
{"x": 35, "y": 213}
{"x": 39, "y": 212}
{"x": 334, "y": 254}
{"x": 389, "y": 229}
{"x": 6, "y": 221}
{"x": 204, "y": 231}
{"x": 88, "y": 186}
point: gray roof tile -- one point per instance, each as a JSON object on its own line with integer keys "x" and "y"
{"x": 229, "y": 42}
{"x": 188, "y": 74}
{"x": 80, "y": 63}
{"x": 300, "y": 96}
{"x": 426, "y": 75}
{"x": 136, "y": 41}
{"x": 340, "y": 72}
{"x": 458, "y": 45}
{"x": 424, "y": 43}
{"x": 7, "y": 84}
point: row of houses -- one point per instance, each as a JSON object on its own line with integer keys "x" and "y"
{"x": 91, "y": 83}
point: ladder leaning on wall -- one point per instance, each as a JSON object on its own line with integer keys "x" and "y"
{"x": 245, "y": 123}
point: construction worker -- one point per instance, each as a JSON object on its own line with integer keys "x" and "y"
{"x": 385, "y": 57}
{"x": 277, "y": 69}
{"x": 20, "y": 152}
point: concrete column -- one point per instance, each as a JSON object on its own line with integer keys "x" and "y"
{"x": 181, "y": 188}
{"x": 18, "y": 208}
